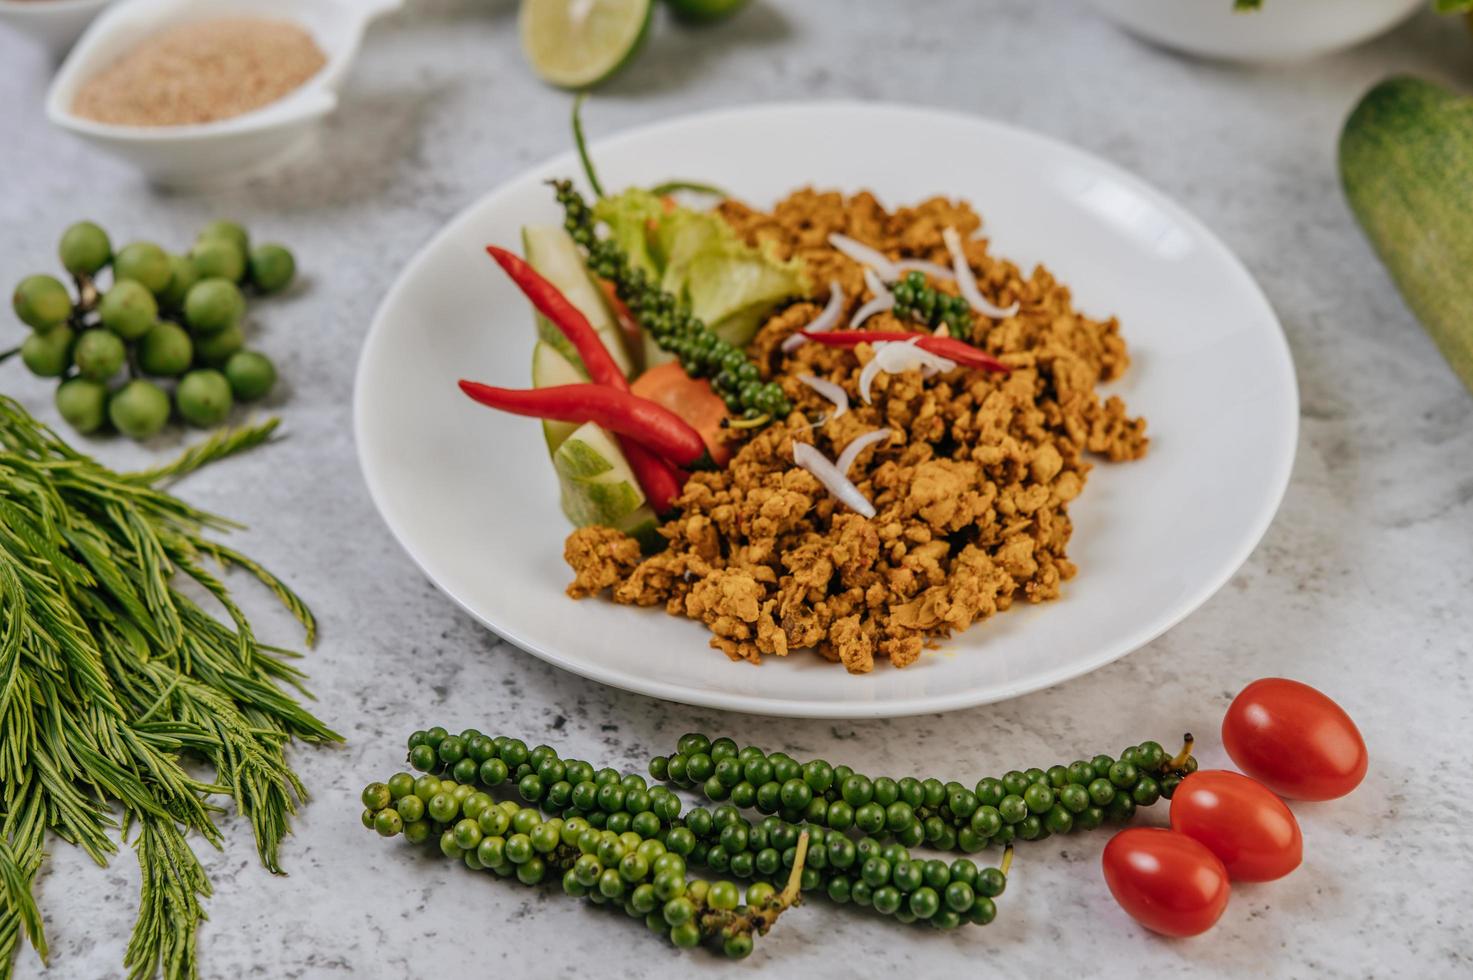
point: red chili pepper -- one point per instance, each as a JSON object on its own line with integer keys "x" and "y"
{"x": 629, "y": 415}
{"x": 948, "y": 347}
{"x": 552, "y": 304}
{"x": 660, "y": 480}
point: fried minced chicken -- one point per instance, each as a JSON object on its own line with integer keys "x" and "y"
{"x": 971, "y": 489}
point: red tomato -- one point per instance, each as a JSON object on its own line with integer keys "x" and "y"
{"x": 690, "y": 398}
{"x": 1294, "y": 740}
{"x": 1166, "y": 881}
{"x": 1247, "y": 827}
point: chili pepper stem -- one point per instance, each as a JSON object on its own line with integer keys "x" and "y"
{"x": 1180, "y": 759}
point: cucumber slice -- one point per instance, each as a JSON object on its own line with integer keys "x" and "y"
{"x": 553, "y": 253}
{"x": 578, "y": 43}
{"x": 550, "y": 368}
{"x": 598, "y": 487}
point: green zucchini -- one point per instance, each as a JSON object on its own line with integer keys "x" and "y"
{"x": 1406, "y": 160}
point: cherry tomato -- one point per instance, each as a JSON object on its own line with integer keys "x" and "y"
{"x": 690, "y": 398}
{"x": 1166, "y": 881}
{"x": 1246, "y": 826}
{"x": 1294, "y": 740}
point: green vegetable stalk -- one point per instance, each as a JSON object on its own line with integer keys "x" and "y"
{"x": 111, "y": 675}
{"x": 1406, "y": 160}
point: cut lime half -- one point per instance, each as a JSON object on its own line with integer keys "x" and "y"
{"x": 578, "y": 43}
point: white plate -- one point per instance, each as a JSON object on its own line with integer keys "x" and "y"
{"x": 472, "y": 498}
{"x": 1280, "y": 30}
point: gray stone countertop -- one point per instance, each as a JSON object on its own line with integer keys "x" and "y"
{"x": 1362, "y": 585}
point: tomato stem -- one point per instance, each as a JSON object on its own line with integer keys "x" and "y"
{"x": 1186, "y": 752}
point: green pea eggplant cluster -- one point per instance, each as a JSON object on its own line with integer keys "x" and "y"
{"x": 176, "y": 317}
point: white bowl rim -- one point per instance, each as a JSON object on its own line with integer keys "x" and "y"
{"x": 46, "y": 7}
{"x": 312, "y": 99}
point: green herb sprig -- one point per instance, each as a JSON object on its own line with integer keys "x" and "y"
{"x": 112, "y": 676}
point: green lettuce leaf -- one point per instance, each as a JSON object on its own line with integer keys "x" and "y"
{"x": 696, "y": 256}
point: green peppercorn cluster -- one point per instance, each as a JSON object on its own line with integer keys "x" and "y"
{"x": 163, "y": 316}
{"x": 915, "y": 300}
{"x": 1021, "y": 804}
{"x": 642, "y": 874}
{"x": 606, "y": 798}
{"x": 669, "y": 321}
{"x": 866, "y": 871}
{"x": 615, "y": 841}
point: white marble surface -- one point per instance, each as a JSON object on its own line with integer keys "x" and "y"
{"x": 1362, "y": 585}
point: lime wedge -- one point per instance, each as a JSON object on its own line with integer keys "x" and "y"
{"x": 701, "y": 11}
{"x": 579, "y": 43}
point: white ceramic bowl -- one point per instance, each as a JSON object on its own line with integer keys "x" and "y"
{"x": 54, "y": 23}
{"x": 230, "y": 147}
{"x": 1280, "y": 30}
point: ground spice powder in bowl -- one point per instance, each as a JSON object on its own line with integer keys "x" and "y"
{"x": 201, "y": 72}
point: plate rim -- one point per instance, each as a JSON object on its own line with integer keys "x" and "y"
{"x": 1135, "y": 639}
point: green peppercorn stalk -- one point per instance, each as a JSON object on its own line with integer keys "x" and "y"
{"x": 866, "y": 872}
{"x": 605, "y": 797}
{"x": 1026, "y": 805}
{"x": 605, "y": 867}
{"x": 669, "y": 320}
